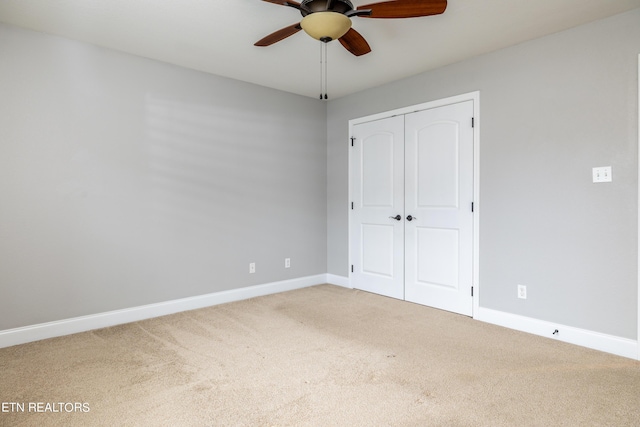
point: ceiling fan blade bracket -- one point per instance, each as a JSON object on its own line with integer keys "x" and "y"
{"x": 362, "y": 12}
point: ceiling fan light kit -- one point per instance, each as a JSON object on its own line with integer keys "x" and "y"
{"x": 326, "y": 26}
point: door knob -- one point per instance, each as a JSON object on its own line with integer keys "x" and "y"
{"x": 397, "y": 217}
{"x": 411, "y": 218}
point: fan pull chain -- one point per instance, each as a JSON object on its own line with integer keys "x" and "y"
{"x": 323, "y": 70}
{"x": 326, "y": 60}
{"x": 321, "y": 79}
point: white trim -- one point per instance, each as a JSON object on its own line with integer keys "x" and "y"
{"x": 582, "y": 337}
{"x": 470, "y": 96}
{"x": 476, "y": 202}
{"x": 638, "y": 207}
{"x": 333, "y": 279}
{"x": 74, "y": 325}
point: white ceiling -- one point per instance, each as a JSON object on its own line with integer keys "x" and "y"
{"x": 217, "y": 36}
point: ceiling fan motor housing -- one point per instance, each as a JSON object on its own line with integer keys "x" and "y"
{"x": 311, "y": 6}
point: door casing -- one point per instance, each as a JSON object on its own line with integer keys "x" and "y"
{"x": 638, "y": 306}
{"x": 475, "y": 98}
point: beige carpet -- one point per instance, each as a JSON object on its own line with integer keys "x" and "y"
{"x": 321, "y": 356}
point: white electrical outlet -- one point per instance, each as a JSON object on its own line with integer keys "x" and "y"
{"x": 287, "y": 263}
{"x": 602, "y": 174}
{"x": 252, "y": 268}
{"x": 522, "y": 292}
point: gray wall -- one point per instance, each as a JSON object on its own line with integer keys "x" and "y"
{"x": 125, "y": 181}
{"x": 551, "y": 109}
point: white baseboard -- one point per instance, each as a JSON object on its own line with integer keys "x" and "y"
{"x": 74, "y": 325}
{"x": 607, "y": 343}
{"x": 582, "y": 337}
{"x": 339, "y": 281}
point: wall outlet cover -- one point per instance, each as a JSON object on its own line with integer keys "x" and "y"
{"x": 522, "y": 292}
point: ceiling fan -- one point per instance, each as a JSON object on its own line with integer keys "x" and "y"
{"x": 328, "y": 20}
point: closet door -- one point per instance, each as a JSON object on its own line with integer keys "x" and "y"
{"x": 438, "y": 215}
{"x": 377, "y": 216}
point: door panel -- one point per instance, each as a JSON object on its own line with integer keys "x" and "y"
{"x": 437, "y": 166}
{"x": 439, "y": 251}
{"x": 377, "y": 249}
{"x": 377, "y": 168}
{"x": 438, "y": 194}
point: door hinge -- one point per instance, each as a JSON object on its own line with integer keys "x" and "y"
{"x": 472, "y": 207}
{"x": 352, "y": 268}
{"x": 352, "y": 139}
{"x": 473, "y": 122}
{"x": 472, "y": 291}
{"x": 351, "y": 205}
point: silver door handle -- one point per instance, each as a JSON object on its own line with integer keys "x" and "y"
{"x": 397, "y": 217}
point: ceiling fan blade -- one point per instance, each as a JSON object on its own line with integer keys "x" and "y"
{"x": 404, "y": 8}
{"x": 289, "y": 3}
{"x": 279, "y": 35}
{"x": 355, "y": 43}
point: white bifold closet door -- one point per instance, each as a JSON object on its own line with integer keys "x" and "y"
{"x": 412, "y": 221}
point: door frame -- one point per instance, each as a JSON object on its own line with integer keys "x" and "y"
{"x": 475, "y": 98}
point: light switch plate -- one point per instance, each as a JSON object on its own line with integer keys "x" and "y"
{"x": 602, "y": 174}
